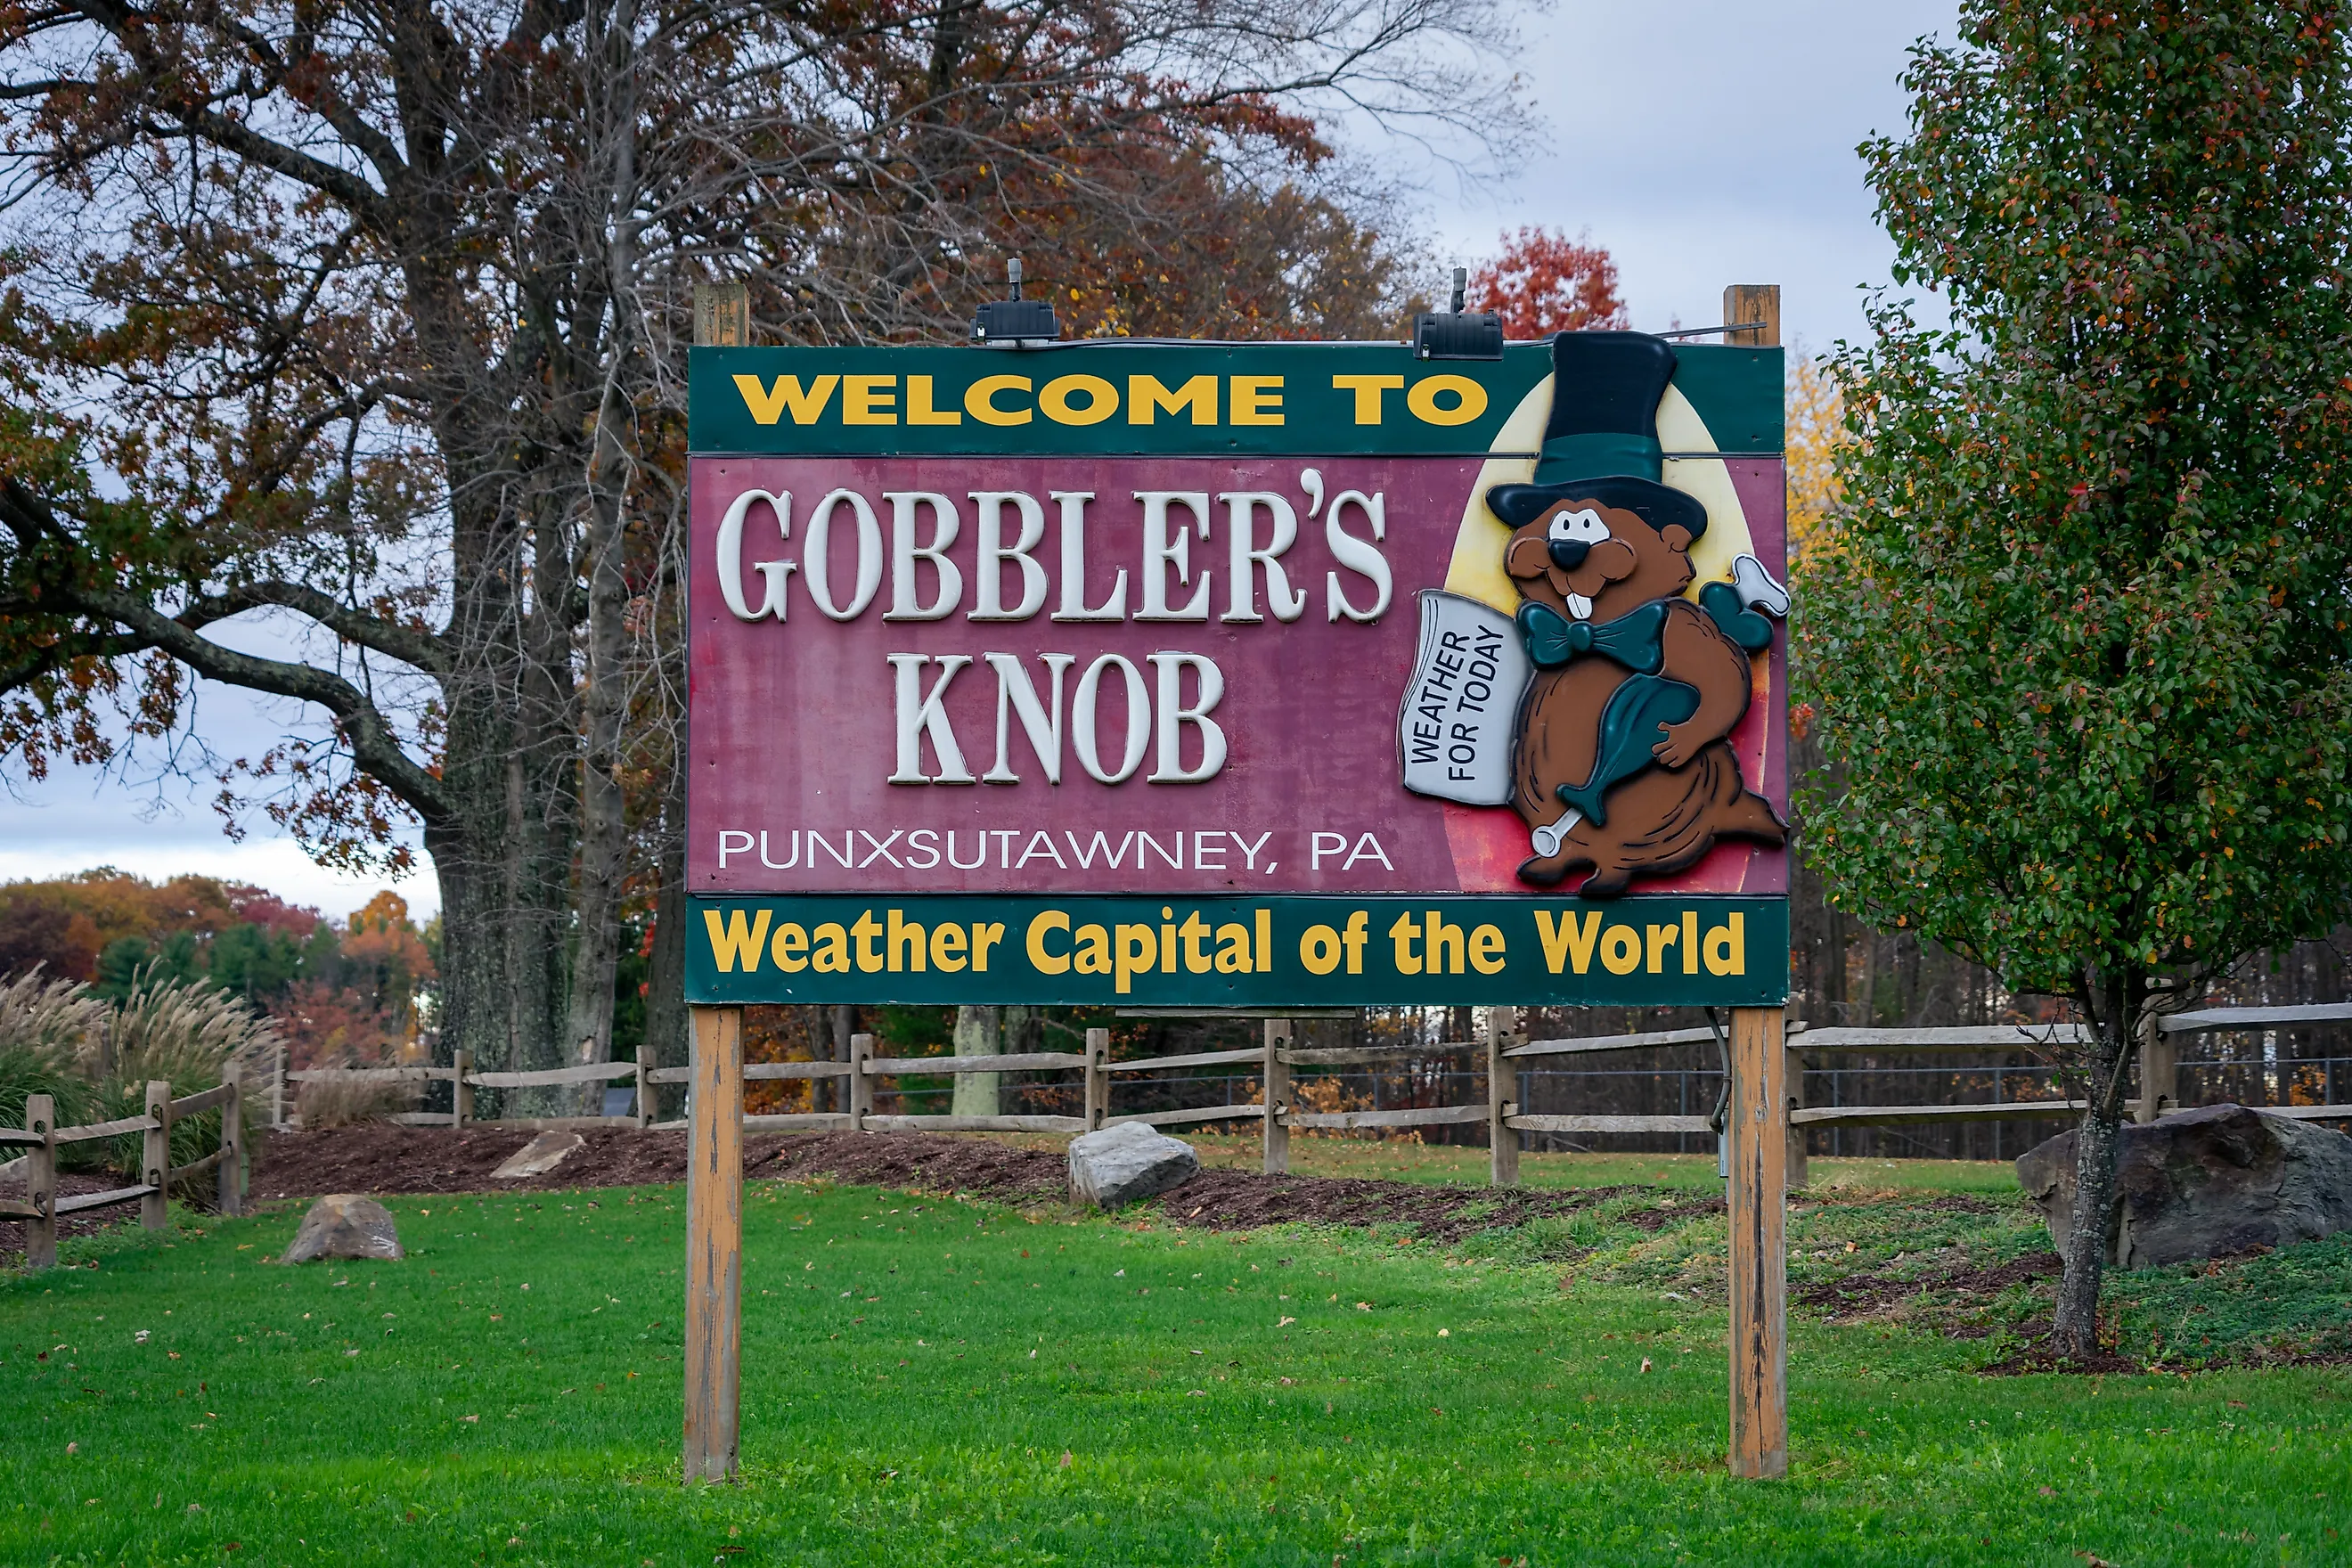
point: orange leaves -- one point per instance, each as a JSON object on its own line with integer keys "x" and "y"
{"x": 1545, "y": 283}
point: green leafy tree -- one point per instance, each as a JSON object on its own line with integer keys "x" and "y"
{"x": 2078, "y": 641}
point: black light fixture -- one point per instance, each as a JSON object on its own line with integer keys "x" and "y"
{"x": 1016, "y": 323}
{"x": 1476, "y": 335}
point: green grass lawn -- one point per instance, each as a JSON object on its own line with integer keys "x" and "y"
{"x": 934, "y": 1380}
{"x": 1458, "y": 1164}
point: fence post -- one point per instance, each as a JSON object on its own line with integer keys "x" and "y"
{"x": 714, "y": 1244}
{"x": 277, "y": 1089}
{"x": 1276, "y": 1128}
{"x": 645, "y": 1083}
{"x": 1800, "y": 1171}
{"x": 231, "y": 1186}
{"x": 861, "y": 1087}
{"x": 155, "y": 1156}
{"x": 41, "y": 1183}
{"x": 1758, "y": 1126}
{"x": 1096, "y": 1109}
{"x": 461, "y": 1093}
{"x": 1502, "y": 1091}
{"x": 2159, "y": 1071}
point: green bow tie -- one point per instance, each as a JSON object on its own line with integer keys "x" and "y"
{"x": 1635, "y": 639}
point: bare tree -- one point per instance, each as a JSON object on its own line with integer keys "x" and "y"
{"x": 366, "y": 324}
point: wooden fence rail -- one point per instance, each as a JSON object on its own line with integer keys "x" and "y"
{"x": 42, "y": 1206}
{"x": 1277, "y": 1056}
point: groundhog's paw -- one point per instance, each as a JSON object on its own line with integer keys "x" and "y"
{"x": 1682, "y": 743}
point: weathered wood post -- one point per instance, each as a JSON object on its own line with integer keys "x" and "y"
{"x": 861, "y": 1083}
{"x": 645, "y": 1083}
{"x": 461, "y": 1092}
{"x": 230, "y": 1187}
{"x": 1759, "y": 1136}
{"x": 1096, "y": 1112}
{"x": 1502, "y": 1098}
{"x": 41, "y": 1182}
{"x": 2159, "y": 1071}
{"x": 714, "y": 1244}
{"x": 155, "y": 1156}
{"x": 1757, "y": 302}
{"x": 1275, "y": 1132}
{"x": 277, "y": 1089}
{"x": 1758, "y": 1126}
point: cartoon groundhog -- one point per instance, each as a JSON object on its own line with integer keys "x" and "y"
{"x": 1621, "y": 762}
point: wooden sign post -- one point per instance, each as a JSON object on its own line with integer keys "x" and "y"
{"x": 714, "y": 1187}
{"x": 1758, "y": 1125}
{"x": 714, "y": 1244}
{"x": 1762, "y": 1143}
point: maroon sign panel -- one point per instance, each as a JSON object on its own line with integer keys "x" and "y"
{"x": 1320, "y": 671}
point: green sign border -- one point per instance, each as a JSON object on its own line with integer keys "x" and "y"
{"x": 876, "y": 938}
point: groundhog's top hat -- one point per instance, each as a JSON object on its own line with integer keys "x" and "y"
{"x": 1601, "y": 443}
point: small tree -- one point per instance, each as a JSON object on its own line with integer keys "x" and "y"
{"x": 2078, "y": 639}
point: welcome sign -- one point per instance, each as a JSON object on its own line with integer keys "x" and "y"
{"x": 1238, "y": 674}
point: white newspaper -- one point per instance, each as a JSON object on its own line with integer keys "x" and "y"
{"x": 1460, "y": 711}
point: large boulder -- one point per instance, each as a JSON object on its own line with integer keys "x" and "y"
{"x": 1120, "y": 1164}
{"x": 538, "y": 1156}
{"x": 2207, "y": 1182}
{"x": 344, "y": 1225}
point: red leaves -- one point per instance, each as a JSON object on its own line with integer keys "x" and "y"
{"x": 1545, "y": 283}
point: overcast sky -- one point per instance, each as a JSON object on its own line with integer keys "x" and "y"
{"x": 1703, "y": 143}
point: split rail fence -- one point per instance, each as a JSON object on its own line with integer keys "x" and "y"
{"x": 1510, "y": 1053}
{"x": 41, "y": 1137}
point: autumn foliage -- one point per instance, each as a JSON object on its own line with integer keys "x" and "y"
{"x": 335, "y": 995}
{"x": 1545, "y": 283}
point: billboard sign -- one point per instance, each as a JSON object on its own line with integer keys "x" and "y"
{"x": 1249, "y": 675}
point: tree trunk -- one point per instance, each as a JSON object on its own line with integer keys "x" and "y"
{"x": 603, "y": 823}
{"x": 666, "y": 1021}
{"x": 979, "y": 1032}
{"x": 2074, "y": 1330}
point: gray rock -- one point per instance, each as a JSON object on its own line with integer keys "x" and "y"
{"x": 538, "y": 1156}
{"x": 1119, "y": 1164}
{"x": 2207, "y": 1182}
{"x": 345, "y": 1225}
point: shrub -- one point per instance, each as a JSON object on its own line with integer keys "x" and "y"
{"x": 45, "y": 1027}
{"x": 183, "y": 1034}
{"x": 341, "y": 1103}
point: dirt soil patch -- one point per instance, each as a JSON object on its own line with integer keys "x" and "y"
{"x": 387, "y": 1159}
{"x": 1859, "y": 1295}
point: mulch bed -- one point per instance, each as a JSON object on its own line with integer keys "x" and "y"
{"x": 380, "y": 1158}
{"x": 386, "y": 1159}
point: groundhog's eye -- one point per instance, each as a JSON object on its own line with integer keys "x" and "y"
{"x": 1583, "y": 527}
